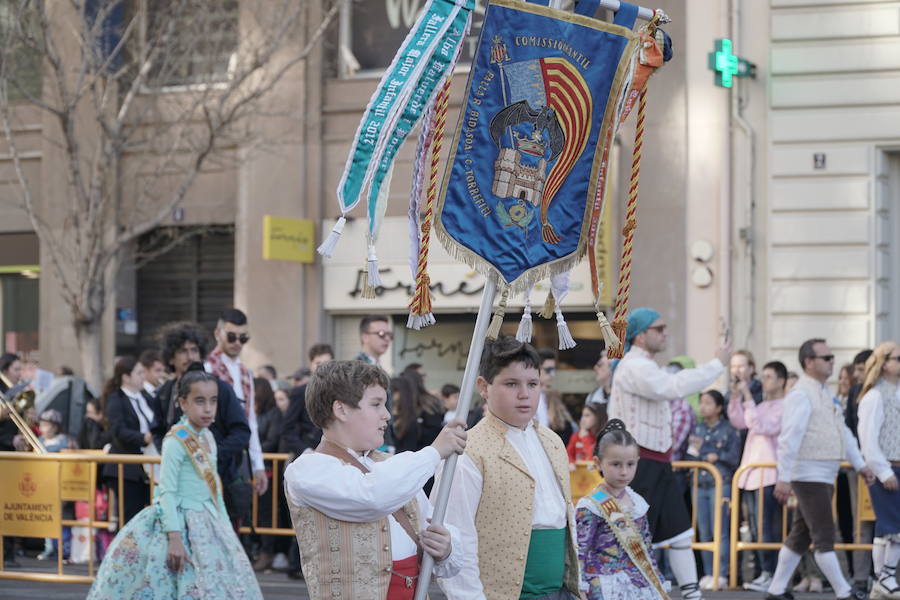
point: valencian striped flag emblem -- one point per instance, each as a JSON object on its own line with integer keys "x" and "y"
{"x": 545, "y": 89}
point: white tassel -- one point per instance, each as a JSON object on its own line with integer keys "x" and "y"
{"x": 523, "y": 333}
{"x": 328, "y": 246}
{"x": 372, "y": 268}
{"x": 418, "y": 322}
{"x": 566, "y": 341}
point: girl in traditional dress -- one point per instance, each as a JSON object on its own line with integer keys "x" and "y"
{"x": 879, "y": 420}
{"x": 613, "y": 534}
{"x": 181, "y": 546}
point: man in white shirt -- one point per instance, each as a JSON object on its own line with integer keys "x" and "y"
{"x": 640, "y": 396}
{"x": 813, "y": 441}
{"x": 232, "y": 334}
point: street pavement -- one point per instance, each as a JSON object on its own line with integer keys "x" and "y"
{"x": 275, "y": 586}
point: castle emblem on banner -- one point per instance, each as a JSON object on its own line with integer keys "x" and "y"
{"x": 540, "y": 132}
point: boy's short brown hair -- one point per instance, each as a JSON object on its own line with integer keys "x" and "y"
{"x": 504, "y": 351}
{"x": 340, "y": 380}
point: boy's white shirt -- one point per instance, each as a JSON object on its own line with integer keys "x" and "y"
{"x": 465, "y": 495}
{"x": 343, "y": 492}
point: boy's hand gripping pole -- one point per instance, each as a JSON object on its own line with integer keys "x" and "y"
{"x": 465, "y": 399}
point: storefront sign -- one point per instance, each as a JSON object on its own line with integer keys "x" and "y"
{"x": 288, "y": 239}
{"x": 29, "y": 499}
{"x": 455, "y": 287}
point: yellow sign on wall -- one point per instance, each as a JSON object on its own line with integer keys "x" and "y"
{"x": 288, "y": 239}
{"x": 29, "y": 499}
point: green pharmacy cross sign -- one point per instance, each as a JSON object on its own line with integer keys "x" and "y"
{"x": 727, "y": 66}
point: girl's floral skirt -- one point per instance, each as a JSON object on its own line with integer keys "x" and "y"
{"x": 134, "y": 567}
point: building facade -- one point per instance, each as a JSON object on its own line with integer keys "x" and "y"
{"x": 770, "y": 208}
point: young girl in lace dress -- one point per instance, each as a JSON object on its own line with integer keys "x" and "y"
{"x": 613, "y": 534}
{"x": 181, "y": 546}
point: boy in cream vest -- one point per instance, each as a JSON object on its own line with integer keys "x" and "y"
{"x": 510, "y": 497}
{"x": 812, "y": 443}
{"x": 360, "y": 515}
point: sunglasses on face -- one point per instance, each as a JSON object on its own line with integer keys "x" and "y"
{"x": 826, "y": 357}
{"x": 232, "y": 337}
{"x": 659, "y": 328}
{"x": 897, "y": 358}
{"x": 385, "y": 335}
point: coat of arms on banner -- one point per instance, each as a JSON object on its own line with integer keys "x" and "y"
{"x": 545, "y": 89}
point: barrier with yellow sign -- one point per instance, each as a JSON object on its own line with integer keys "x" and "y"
{"x": 584, "y": 478}
{"x": 75, "y": 478}
{"x": 29, "y": 498}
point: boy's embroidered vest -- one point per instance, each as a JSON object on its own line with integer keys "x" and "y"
{"x": 504, "y": 516}
{"x": 343, "y": 560}
{"x": 824, "y": 437}
{"x": 888, "y": 438}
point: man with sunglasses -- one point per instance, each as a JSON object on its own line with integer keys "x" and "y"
{"x": 640, "y": 396}
{"x": 813, "y": 441}
{"x": 375, "y": 338}
{"x": 232, "y": 334}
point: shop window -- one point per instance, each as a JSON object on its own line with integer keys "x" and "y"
{"x": 192, "y": 281}
{"x": 20, "y": 63}
{"x": 19, "y": 295}
{"x": 371, "y": 32}
{"x": 201, "y": 42}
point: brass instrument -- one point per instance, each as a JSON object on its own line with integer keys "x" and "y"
{"x": 10, "y": 402}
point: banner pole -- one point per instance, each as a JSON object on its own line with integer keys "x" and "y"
{"x": 462, "y": 410}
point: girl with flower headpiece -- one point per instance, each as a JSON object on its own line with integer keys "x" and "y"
{"x": 613, "y": 533}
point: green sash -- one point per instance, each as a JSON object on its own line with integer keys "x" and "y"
{"x": 546, "y": 566}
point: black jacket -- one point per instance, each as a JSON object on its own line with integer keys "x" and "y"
{"x": 851, "y": 415}
{"x": 125, "y": 434}
{"x": 270, "y": 424}
{"x": 421, "y": 433}
{"x": 8, "y": 432}
{"x": 93, "y": 435}
{"x": 298, "y": 431}
{"x": 230, "y": 429}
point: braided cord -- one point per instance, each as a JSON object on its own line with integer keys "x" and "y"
{"x": 421, "y": 301}
{"x": 620, "y": 319}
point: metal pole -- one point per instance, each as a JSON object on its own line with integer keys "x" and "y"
{"x": 465, "y": 398}
{"x": 614, "y": 5}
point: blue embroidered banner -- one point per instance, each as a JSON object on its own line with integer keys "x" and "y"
{"x": 544, "y": 89}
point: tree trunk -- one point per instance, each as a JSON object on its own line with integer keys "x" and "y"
{"x": 90, "y": 346}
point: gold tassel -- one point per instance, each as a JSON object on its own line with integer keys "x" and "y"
{"x": 368, "y": 290}
{"x": 493, "y": 331}
{"x": 609, "y": 336}
{"x": 620, "y": 328}
{"x": 549, "y": 306}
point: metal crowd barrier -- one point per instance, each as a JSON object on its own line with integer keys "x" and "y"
{"x": 583, "y": 478}
{"x": 88, "y": 486}
{"x": 737, "y": 545}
